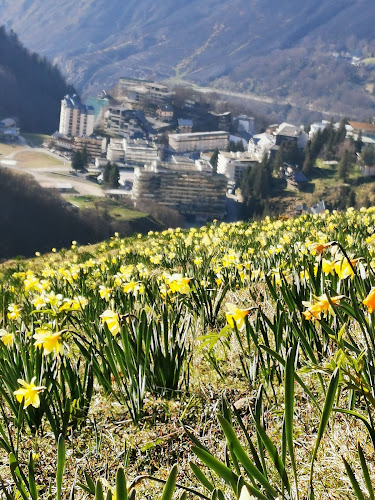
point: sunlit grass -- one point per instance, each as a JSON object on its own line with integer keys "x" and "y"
{"x": 32, "y": 158}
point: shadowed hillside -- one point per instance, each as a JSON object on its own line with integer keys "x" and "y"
{"x": 30, "y": 87}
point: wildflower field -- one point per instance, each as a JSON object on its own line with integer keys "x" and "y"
{"x": 231, "y": 361}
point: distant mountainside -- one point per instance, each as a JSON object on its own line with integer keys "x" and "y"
{"x": 30, "y": 86}
{"x": 304, "y": 53}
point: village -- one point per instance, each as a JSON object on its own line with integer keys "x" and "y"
{"x": 169, "y": 152}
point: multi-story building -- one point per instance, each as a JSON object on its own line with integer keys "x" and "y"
{"x": 120, "y": 120}
{"x": 366, "y": 129}
{"x": 76, "y": 119}
{"x": 165, "y": 112}
{"x": 133, "y": 152}
{"x": 116, "y": 150}
{"x": 140, "y": 91}
{"x": 199, "y": 195}
{"x": 95, "y": 146}
{"x": 290, "y": 133}
{"x": 198, "y": 141}
{"x": 138, "y": 152}
{"x": 261, "y": 144}
{"x": 232, "y": 165}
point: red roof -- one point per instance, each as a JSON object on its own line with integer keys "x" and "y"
{"x": 369, "y": 127}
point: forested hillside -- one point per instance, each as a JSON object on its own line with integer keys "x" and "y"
{"x": 313, "y": 54}
{"x": 30, "y": 86}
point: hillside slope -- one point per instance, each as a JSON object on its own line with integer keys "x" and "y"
{"x": 30, "y": 86}
{"x": 288, "y": 50}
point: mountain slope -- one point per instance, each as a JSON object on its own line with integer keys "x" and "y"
{"x": 30, "y": 87}
{"x": 237, "y": 44}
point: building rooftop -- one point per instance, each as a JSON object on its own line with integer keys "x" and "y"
{"x": 184, "y": 122}
{"x": 196, "y": 134}
{"x": 368, "y": 127}
{"x": 240, "y": 156}
{"x": 286, "y": 130}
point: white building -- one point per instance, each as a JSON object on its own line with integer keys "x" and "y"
{"x": 76, "y": 119}
{"x": 198, "y": 141}
{"x": 116, "y": 150}
{"x": 232, "y": 165}
{"x": 261, "y": 144}
{"x": 140, "y": 152}
{"x": 133, "y": 152}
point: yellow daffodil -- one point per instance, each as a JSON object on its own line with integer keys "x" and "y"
{"x": 344, "y": 269}
{"x": 369, "y": 301}
{"x": 318, "y": 248}
{"x": 111, "y": 319}
{"x": 322, "y": 305}
{"x": 328, "y": 267}
{"x": 39, "y": 302}
{"x": 48, "y": 340}
{"x": 28, "y": 393}
{"x": 14, "y": 311}
{"x": 104, "y": 292}
{"x": 6, "y": 337}
{"x": 235, "y": 315}
{"x": 178, "y": 283}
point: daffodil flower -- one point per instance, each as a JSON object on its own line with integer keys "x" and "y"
{"x": 369, "y": 301}
{"x": 48, "y": 340}
{"x": 318, "y": 248}
{"x": 235, "y": 315}
{"x": 6, "y": 337}
{"x": 28, "y": 393}
{"x": 322, "y": 305}
{"x": 111, "y": 319}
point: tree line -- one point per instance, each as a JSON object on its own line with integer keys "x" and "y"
{"x": 330, "y": 144}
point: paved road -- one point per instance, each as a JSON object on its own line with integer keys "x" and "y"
{"x": 51, "y": 176}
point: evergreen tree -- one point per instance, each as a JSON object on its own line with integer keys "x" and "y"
{"x": 106, "y": 172}
{"x": 77, "y": 163}
{"x": 368, "y": 156}
{"x": 351, "y": 198}
{"x": 114, "y": 176}
{"x": 214, "y": 159}
{"x": 344, "y": 166}
{"x": 235, "y": 146}
{"x": 84, "y": 157}
{"x": 358, "y": 143}
{"x": 308, "y": 164}
{"x": 341, "y": 132}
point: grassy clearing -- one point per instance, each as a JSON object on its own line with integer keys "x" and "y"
{"x": 369, "y": 61}
{"x": 7, "y": 149}
{"x": 325, "y": 185}
{"x": 30, "y": 158}
{"x": 105, "y": 205}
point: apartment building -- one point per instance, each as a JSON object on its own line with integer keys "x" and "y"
{"x": 125, "y": 122}
{"x": 76, "y": 119}
{"x": 133, "y": 152}
{"x": 232, "y": 165}
{"x": 140, "y": 91}
{"x": 198, "y": 141}
{"x": 95, "y": 146}
{"x": 197, "y": 195}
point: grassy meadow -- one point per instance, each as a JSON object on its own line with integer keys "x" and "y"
{"x": 232, "y": 361}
